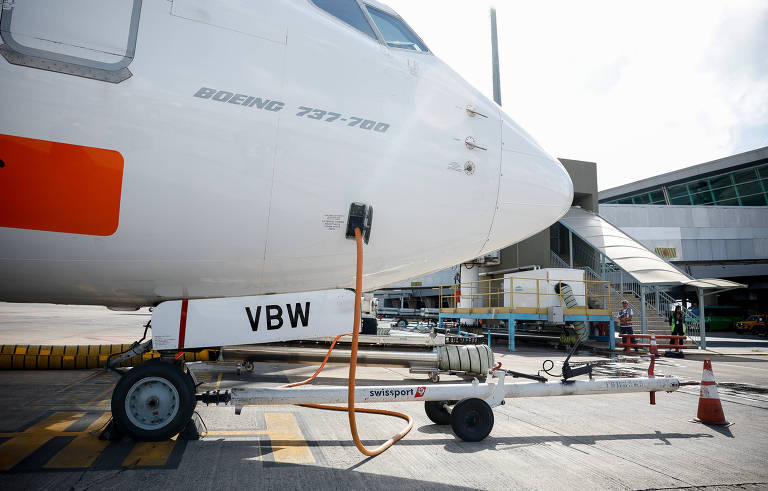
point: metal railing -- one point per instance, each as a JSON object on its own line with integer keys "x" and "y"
{"x": 556, "y": 261}
{"x": 657, "y": 301}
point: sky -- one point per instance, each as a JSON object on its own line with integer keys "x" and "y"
{"x": 640, "y": 87}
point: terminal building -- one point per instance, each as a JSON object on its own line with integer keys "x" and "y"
{"x": 694, "y": 236}
{"x": 709, "y": 220}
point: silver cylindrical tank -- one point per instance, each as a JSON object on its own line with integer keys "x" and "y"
{"x": 472, "y": 359}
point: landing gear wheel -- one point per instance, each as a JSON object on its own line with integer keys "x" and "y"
{"x": 437, "y": 413}
{"x": 402, "y": 323}
{"x": 472, "y": 419}
{"x": 153, "y": 401}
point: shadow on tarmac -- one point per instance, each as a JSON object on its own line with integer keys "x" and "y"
{"x": 453, "y": 444}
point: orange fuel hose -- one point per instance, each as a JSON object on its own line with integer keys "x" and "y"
{"x": 351, "y": 410}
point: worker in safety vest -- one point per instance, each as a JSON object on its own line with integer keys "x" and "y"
{"x": 625, "y": 320}
{"x": 678, "y": 324}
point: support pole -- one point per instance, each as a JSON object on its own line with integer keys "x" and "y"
{"x": 470, "y": 278}
{"x": 642, "y": 310}
{"x": 702, "y": 322}
{"x": 511, "y": 333}
{"x": 602, "y": 266}
{"x": 570, "y": 249}
{"x": 621, "y": 281}
{"x": 611, "y": 335}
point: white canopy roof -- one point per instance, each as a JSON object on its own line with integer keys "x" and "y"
{"x": 645, "y": 266}
{"x": 714, "y": 283}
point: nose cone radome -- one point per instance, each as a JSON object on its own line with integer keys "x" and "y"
{"x": 535, "y": 190}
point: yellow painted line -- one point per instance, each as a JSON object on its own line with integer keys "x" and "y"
{"x": 23, "y": 444}
{"x": 101, "y": 397}
{"x": 288, "y": 444}
{"x": 218, "y": 382}
{"x": 58, "y": 422}
{"x": 83, "y": 450}
{"x": 236, "y": 433}
{"x": 68, "y": 387}
{"x": 149, "y": 454}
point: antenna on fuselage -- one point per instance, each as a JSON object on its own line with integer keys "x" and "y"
{"x": 495, "y": 59}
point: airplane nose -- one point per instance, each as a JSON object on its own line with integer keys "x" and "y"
{"x": 535, "y": 189}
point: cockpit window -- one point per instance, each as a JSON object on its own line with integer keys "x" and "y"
{"x": 347, "y": 11}
{"x": 396, "y": 34}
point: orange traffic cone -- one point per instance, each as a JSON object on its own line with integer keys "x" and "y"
{"x": 710, "y": 410}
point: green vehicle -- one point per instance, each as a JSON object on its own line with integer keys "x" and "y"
{"x": 722, "y": 317}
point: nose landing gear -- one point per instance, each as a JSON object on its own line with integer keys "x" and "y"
{"x": 153, "y": 401}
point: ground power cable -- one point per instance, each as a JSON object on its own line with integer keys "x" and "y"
{"x": 350, "y": 408}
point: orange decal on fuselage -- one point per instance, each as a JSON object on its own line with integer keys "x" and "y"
{"x": 59, "y": 187}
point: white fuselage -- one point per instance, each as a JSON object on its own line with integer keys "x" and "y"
{"x": 223, "y": 199}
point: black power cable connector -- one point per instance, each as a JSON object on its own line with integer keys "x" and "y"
{"x": 567, "y": 371}
{"x": 360, "y": 216}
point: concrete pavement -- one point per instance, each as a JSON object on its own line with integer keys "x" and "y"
{"x": 49, "y": 421}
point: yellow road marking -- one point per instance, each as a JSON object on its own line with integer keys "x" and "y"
{"x": 218, "y": 382}
{"x": 23, "y": 444}
{"x": 288, "y": 444}
{"x": 57, "y": 422}
{"x": 83, "y": 450}
{"x": 101, "y": 397}
{"x": 237, "y": 433}
{"x": 68, "y": 387}
{"x": 149, "y": 453}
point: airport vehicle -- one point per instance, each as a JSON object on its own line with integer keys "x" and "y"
{"x": 723, "y": 317}
{"x": 754, "y": 324}
{"x": 212, "y": 159}
{"x": 401, "y": 316}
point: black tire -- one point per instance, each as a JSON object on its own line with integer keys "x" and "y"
{"x": 171, "y": 390}
{"x": 402, "y": 323}
{"x": 436, "y": 411}
{"x": 472, "y": 419}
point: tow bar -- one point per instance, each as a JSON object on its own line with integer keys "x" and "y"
{"x": 473, "y": 401}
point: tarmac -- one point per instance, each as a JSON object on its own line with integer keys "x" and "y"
{"x": 50, "y": 421}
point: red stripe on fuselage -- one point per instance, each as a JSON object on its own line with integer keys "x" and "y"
{"x": 183, "y": 323}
